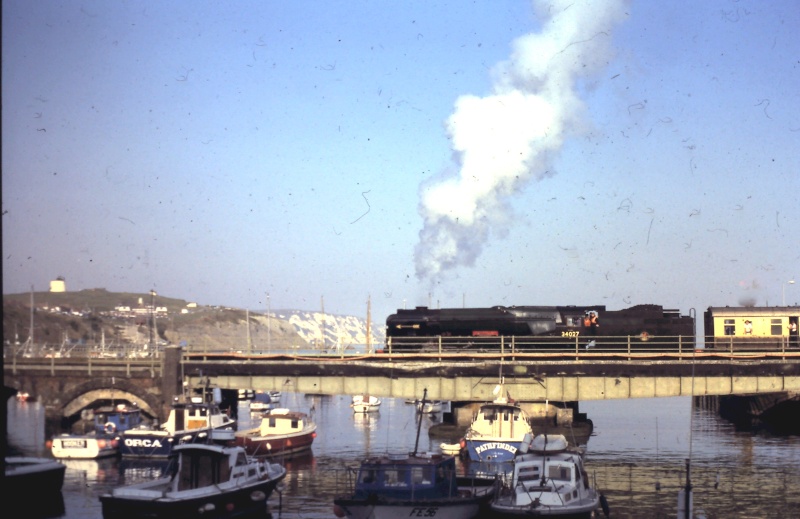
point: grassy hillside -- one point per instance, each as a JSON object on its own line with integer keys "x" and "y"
{"x": 96, "y": 300}
{"x": 87, "y": 317}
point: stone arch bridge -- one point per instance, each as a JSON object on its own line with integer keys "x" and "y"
{"x": 67, "y": 389}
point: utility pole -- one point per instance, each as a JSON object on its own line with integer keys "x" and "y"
{"x": 369, "y": 325}
{"x": 152, "y": 320}
{"x": 269, "y": 324}
{"x": 322, "y": 339}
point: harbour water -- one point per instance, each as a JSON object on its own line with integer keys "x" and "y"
{"x": 637, "y": 456}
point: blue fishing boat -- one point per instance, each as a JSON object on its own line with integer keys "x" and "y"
{"x": 412, "y": 485}
{"x": 191, "y": 420}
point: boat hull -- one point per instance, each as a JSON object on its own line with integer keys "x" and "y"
{"x": 364, "y": 509}
{"x": 492, "y": 450}
{"x": 158, "y": 443}
{"x": 23, "y": 473}
{"x": 365, "y": 408}
{"x": 278, "y": 445}
{"x": 509, "y": 511}
{"x": 146, "y": 444}
{"x": 85, "y": 447}
{"x": 245, "y": 502}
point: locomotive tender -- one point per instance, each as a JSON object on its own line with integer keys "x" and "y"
{"x": 540, "y": 326}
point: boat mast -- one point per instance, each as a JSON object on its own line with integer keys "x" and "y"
{"x": 249, "y": 341}
{"x": 419, "y": 417}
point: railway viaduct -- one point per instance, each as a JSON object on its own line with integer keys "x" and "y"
{"x": 65, "y": 386}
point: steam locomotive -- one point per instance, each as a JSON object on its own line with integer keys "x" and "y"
{"x": 639, "y": 327}
{"x": 539, "y": 326}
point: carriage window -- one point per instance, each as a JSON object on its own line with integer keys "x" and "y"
{"x": 776, "y": 327}
{"x": 730, "y": 327}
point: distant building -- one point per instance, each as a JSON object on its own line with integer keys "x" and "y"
{"x": 58, "y": 285}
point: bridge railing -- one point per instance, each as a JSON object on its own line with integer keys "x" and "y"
{"x": 79, "y": 358}
{"x": 440, "y": 348}
{"x": 65, "y": 350}
{"x": 632, "y": 345}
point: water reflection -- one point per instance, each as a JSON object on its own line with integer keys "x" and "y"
{"x": 636, "y": 455}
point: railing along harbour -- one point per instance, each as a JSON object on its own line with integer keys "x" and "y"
{"x": 55, "y": 358}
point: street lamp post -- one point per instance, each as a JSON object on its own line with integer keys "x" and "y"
{"x": 269, "y": 324}
{"x": 783, "y": 290}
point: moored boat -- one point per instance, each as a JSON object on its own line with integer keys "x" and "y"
{"x": 204, "y": 480}
{"x": 430, "y": 407}
{"x": 281, "y": 432}
{"x": 193, "y": 420}
{"x": 24, "y": 474}
{"x": 275, "y": 396}
{"x": 103, "y": 440}
{"x": 548, "y": 480}
{"x": 395, "y": 486}
{"x": 261, "y": 402}
{"x": 497, "y": 430}
{"x": 365, "y": 404}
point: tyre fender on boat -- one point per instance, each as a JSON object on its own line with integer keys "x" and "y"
{"x": 110, "y": 428}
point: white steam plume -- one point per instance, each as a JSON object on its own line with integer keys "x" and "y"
{"x": 509, "y": 137}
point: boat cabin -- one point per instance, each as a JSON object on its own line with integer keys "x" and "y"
{"x": 501, "y": 420}
{"x": 407, "y": 477}
{"x": 550, "y": 472}
{"x": 282, "y": 421}
{"x": 113, "y": 419}
{"x": 202, "y": 466}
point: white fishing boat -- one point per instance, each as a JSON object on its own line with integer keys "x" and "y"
{"x": 365, "y": 404}
{"x": 497, "y": 430}
{"x": 548, "y": 480}
{"x": 434, "y": 406}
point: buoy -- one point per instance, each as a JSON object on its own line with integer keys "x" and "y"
{"x": 109, "y": 427}
{"x": 338, "y": 511}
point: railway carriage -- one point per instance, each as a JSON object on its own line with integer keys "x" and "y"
{"x": 751, "y": 327}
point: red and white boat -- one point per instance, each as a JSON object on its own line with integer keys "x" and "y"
{"x": 282, "y": 432}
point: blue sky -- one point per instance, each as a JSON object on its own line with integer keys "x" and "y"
{"x": 409, "y": 153}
